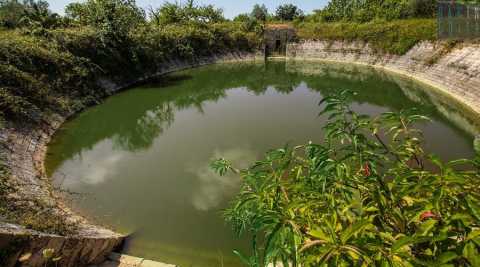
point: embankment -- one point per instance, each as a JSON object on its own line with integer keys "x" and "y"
{"x": 452, "y": 68}
{"x": 31, "y": 192}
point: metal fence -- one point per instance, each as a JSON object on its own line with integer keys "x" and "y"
{"x": 458, "y": 20}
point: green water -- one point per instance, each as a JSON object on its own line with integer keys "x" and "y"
{"x": 140, "y": 160}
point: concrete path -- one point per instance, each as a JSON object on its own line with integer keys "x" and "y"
{"x": 120, "y": 260}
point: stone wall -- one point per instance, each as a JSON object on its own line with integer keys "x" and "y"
{"x": 276, "y": 37}
{"x": 453, "y": 70}
{"x": 24, "y": 152}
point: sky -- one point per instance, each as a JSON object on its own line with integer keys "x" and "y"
{"x": 231, "y": 7}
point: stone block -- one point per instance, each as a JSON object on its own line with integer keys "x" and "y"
{"x": 149, "y": 263}
{"x": 125, "y": 259}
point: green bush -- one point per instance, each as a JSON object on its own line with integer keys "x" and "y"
{"x": 112, "y": 19}
{"x": 57, "y": 71}
{"x": 178, "y": 13}
{"x": 30, "y": 14}
{"x": 396, "y": 37}
{"x": 368, "y": 10}
{"x": 36, "y": 76}
{"x": 358, "y": 200}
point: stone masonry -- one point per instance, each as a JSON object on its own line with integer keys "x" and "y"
{"x": 455, "y": 72}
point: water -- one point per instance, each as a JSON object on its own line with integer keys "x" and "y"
{"x": 140, "y": 160}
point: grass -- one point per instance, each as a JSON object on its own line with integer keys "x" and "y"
{"x": 394, "y": 37}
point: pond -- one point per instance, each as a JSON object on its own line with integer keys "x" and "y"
{"x": 139, "y": 162}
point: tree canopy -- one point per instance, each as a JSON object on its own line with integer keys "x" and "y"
{"x": 32, "y": 13}
{"x": 367, "y": 10}
{"x": 178, "y": 13}
{"x": 288, "y": 12}
{"x": 259, "y": 12}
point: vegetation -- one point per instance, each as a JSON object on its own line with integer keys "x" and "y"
{"x": 365, "y": 11}
{"x": 55, "y": 64}
{"x": 288, "y": 12}
{"x": 30, "y": 13}
{"x": 52, "y": 64}
{"x": 358, "y": 200}
{"x": 259, "y": 12}
{"x": 54, "y": 67}
{"x": 189, "y": 13}
{"x": 395, "y": 37}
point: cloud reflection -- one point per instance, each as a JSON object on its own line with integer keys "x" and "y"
{"x": 214, "y": 189}
{"x": 97, "y": 166}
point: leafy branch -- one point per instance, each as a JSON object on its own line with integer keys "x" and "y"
{"x": 369, "y": 195}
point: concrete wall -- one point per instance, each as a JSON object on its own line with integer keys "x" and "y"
{"x": 455, "y": 72}
{"x": 24, "y": 150}
{"x": 276, "y": 38}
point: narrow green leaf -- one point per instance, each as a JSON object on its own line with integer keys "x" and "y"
{"x": 476, "y": 144}
{"x": 320, "y": 234}
{"x": 243, "y": 258}
{"x": 446, "y": 257}
{"x": 473, "y": 235}
{"x": 402, "y": 242}
{"x": 353, "y": 230}
{"x": 426, "y": 227}
{"x": 470, "y": 253}
{"x": 473, "y": 206}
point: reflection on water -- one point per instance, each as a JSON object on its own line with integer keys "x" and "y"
{"x": 142, "y": 158}
{"x": 213, "y": 189}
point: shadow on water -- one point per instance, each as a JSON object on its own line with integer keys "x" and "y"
{"x": 163, "y": 81}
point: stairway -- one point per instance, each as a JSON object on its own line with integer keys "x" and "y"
{"x": 121, "y": 260}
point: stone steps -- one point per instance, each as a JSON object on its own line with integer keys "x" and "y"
{"x": 121, "y": 260}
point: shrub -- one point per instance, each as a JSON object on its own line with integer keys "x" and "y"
{"x": 112, "y": 19}
{"x": 11, "y": 13}
{"x": 396, "y": 37}
{"x": 365, "y": 11}
{"x": 58, "y": 70}
{"x": 177, "y": 13}
{"x": 29, "y": 13}
{"x": 36, "y": 76}
{"x": 357, "y": 200}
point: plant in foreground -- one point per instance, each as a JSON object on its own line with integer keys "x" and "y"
{"x": 358, "y": 199}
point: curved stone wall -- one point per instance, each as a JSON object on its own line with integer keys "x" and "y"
{"x": 24, "y": 152}
{"x": 453, "y": 70}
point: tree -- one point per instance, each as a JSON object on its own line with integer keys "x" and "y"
{"x": 259, "y": 12}
{"x": 367, "y": 10}
{"x": 11, "y": 12}
{"x": 242, "y": 17}
{"x": 29, "y": 13}
{"x": 423, "y": 8}
{"x": 38, "y": 14}
{"x": 113, "y": 19}
{"x": 177, "y": 13}
{"x": 288, "y": 12}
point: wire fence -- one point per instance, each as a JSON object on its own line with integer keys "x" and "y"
{"x": 458, "y": 20}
